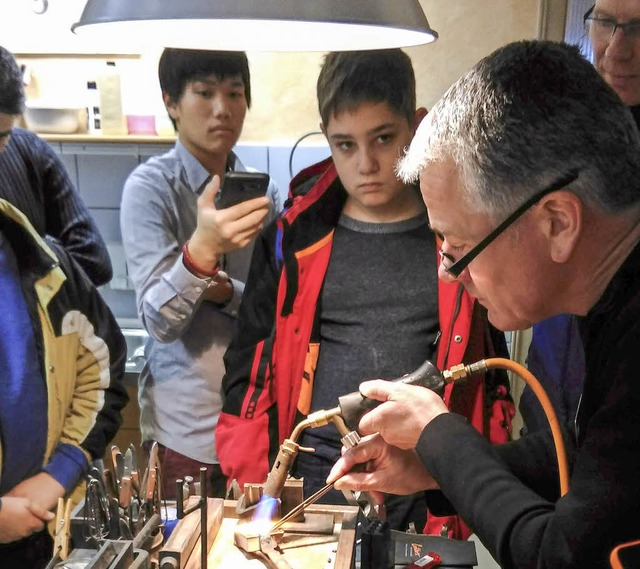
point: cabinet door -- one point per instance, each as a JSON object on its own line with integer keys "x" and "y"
{"x": 102, "y": 172}
{"x": 146, "y": 151}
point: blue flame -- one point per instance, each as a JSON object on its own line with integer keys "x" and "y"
{"x": 266, "y": 508}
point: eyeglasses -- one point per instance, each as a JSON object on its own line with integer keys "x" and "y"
{"x": 456, "y": 267}
{"x": 604, "y": 28}
{"x": 5, "y": 134}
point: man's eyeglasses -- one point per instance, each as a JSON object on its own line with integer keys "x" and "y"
{"x": 456, "y": 267}
{"x": 604, "y": 28}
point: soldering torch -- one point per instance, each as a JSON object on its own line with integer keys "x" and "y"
{"x": 346, "y": 416}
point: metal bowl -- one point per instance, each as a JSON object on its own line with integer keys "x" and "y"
{"x": 53, "y": 119}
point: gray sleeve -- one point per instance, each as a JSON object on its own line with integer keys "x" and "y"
{"x": 167, "y": 294}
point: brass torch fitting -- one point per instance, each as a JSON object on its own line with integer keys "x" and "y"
{"x": 462, "y": 371}
{"x": 314, "y": 420}
{"x": 280, "y": 469}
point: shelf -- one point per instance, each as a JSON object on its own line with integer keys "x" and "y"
{"x": 83, "y": 138}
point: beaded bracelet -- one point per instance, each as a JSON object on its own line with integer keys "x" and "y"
{"x": 192, "y": 267}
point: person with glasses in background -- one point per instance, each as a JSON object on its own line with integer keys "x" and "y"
{"x": 33, "y": 179}
{"x": 556, "y": 354}
{"x": 531, "y": 129}
{"x": 614, "y": 29}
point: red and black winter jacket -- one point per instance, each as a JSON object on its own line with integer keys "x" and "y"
{"x": 271, "y": 360}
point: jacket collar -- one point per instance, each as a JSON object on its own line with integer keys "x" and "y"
{"x": 32, "y": 252}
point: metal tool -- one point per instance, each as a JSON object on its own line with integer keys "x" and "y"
{"x": 126, "y": 489}
{"x": 301, "y": 506}
{"x": 370, "y": 508}
{"x": 149, "y": 488}
{"x": 270, "y": 549}
{"x": 97, "y": 510}
{"x": 150, "y": 476}
{"x": 110, "y": 483}
{"x": 135, "y": 477}
{"x": 118, "y": 463}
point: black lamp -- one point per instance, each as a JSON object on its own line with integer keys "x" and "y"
{"x": 264, "y": 25}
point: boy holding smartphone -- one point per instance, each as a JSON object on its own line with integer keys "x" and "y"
{"x": 344, "y": 287}
{"x": 189, "y": 260}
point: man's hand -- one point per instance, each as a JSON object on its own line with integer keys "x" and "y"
{"x": 220, "y": 231}
{"x": 388, "y": 469}
{"x": 405, "y": 412}
{"x": 41, "y": 489}
{"x": 20, "y": 517}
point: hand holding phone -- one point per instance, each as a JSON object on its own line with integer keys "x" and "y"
{"x": 238, "y": 187}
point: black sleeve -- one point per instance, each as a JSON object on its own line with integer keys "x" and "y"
{"x": 68, "y": 220}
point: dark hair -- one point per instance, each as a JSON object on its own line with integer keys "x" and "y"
{"x": 349, "y": 78}
{"x": 177, "y": 67}
{"x": 523, "y": 117}
{"x": 11, "y": 88}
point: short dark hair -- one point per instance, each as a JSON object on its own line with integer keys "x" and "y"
{"x": 350, "y": 78}
{"x": 12, "y": 99}
{"x": 177, "y": 67}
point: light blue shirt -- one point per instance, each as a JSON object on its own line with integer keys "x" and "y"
{"x": 179, "y": 386}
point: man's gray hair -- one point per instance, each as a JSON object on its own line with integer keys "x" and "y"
{"x": 522, "y": 118}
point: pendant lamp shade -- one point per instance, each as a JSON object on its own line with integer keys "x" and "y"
{"x": 260, "y": 25}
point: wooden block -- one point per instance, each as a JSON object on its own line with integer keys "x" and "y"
{"x": 176, "y": 551}
{"x": 215, "y": 513}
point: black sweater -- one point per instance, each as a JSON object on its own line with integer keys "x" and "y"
{"x": 509, "y": 494}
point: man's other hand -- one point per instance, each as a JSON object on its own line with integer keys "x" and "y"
{"x": 388, "y": 469}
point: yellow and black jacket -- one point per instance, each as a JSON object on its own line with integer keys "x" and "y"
{"x": 81, "y": 350}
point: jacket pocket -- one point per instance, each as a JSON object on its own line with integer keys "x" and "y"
{"x": 308, "y": 375}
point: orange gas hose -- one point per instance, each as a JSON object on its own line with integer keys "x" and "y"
{"x": 542, "y": 396}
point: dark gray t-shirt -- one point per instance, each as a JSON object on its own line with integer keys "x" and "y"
{"x": 379, "y": 314}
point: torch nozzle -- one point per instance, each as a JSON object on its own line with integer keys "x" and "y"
{"x": 313, "y": 420}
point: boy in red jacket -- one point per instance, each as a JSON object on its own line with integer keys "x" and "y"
{"x": 344, "y": 287}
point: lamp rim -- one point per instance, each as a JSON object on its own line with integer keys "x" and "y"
{"x": 371, "y": 17}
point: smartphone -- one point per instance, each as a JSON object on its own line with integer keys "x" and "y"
{"x": 431, "y": 559}
{"x": 238, "y": 187}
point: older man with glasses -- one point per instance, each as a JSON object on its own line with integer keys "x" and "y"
{"x": 556, "y": 355}
{"x": 614, "y": 29}
{"x": 529, "y": 170}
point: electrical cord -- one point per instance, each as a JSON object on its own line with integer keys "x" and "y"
{"x": 295, "y": 145}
